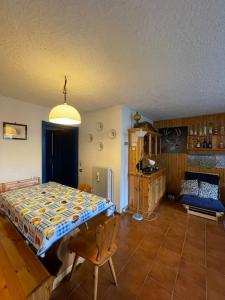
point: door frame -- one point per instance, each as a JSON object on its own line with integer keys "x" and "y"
{"x": 48, "y": 126}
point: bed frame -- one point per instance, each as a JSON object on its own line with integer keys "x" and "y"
{"x": 18, "y": 184}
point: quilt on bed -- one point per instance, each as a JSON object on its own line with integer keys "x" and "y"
{"x": 45, "y": 213}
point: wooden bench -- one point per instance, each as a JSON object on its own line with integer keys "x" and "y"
{"x": 22, "y": 275}
{"x": 17, "y": 184}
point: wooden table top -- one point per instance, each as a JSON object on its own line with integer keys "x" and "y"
{"x": 22, "y": 275}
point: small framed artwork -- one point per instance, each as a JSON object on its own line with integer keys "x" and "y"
{"x": 14, "y": 131}
{"x": 174, "y": 139}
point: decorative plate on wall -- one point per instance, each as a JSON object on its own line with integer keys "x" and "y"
{"x": 90, "y": 137}
{"x": 112, "y": 134}
{"x": 100, "y": 146}
{"x": 99, "y": 126}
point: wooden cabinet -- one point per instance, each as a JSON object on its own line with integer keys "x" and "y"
{"x": 149, "y": 145}
{"x": 152, "y": 189}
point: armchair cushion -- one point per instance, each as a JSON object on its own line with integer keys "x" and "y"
{"x": 190, "y": 187}
{"x": 206, "y": 177}
{"x": 205, "y": 203}
{"x": 208, "y": 190}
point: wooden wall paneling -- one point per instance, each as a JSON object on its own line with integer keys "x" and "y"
{"x": 176, "y": 163}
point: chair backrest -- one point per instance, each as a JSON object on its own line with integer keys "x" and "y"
{"x": 207, "y": 177}
{"x": 84, "y": 187}
{"x": 106, "y": 235}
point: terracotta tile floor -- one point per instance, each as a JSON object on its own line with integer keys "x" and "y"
{"x": 175, "y": 256}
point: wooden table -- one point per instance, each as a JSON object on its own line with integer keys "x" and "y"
{"x": 22, "y": 275}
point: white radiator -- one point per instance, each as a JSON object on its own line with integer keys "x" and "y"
{"x": 102, "y": 182}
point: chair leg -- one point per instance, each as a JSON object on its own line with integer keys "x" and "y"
{"x": 95, "y": 282}
{"x": 74, "y": 266}
{"x": 113, "y": 271}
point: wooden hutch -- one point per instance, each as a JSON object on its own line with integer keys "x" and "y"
{"x": 152, "y": 186}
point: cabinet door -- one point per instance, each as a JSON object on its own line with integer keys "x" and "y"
{"x": 161, "y": 184}
{"x": 158, "y": 145}
{"x": 153, "y": 144}
{"x": 133, "y": 192}
{"x": 151, "y": 194}
{"x": 144, "y": 194}
{"x": 158, "y": 190}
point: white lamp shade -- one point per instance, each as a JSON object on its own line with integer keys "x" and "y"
{"x": 64, "y": 114}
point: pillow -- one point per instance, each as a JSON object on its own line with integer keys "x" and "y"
{"x": 208, "y": 190}
{"x": 190, "y": 187}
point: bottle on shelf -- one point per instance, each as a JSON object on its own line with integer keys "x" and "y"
{"x": 215, "y": 129}
{"x": 191, "y": 132}
{"x": 204, "y": 128}
{"x": 221, "y": 144}
{"x": 209, "y": 143}
{"x": 195, "y": 130}
{"x": 222, "y": 128}
{"x": 204, "y": 144}
{"x": 198, "y": 144}
{"x": 200, "y": 131}
{"x": 210, "y": 130}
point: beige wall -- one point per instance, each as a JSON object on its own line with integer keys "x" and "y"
{"x": 115, "y": 152}
{"x": 110, "y": 156}
{"x": 21, "y": 158}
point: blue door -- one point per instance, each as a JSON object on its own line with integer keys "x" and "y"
{"x": 60, "y": 154}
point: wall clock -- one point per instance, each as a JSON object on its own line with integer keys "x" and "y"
{"x": 100, "y": 146}
{"x": 112, "y": 134}
{"x": 90, "y": 137}
{"x": 99, "y": 126}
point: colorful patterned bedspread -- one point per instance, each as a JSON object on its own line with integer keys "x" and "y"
{"x": 47, "y": 212}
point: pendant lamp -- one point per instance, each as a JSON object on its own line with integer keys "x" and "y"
{"x": 64, "y": 114}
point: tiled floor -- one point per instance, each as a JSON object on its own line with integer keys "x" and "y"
{"x": 174, "y": 257}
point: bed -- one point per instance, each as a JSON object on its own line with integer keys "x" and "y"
{"x": 45, "y": 213}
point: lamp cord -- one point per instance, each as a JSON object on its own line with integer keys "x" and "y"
{"x": 64, "y": 90}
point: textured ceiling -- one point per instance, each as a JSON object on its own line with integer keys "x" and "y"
{"x": 164, "y": 58}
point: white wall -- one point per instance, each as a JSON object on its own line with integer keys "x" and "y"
{"x": 115, "y": 152}
{"x": 21, "y": 158}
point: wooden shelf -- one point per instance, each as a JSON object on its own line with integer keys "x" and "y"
{"x": 207, "y": 150}
{"x": 207, "y": 135}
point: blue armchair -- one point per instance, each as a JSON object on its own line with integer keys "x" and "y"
{"x": 203, "y": 207}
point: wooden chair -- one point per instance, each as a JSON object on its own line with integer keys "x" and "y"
{"x": 98, "y": 247}
{"x": 84, "y": 187}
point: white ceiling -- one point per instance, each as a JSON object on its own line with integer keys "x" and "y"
{"x": 162, "y": 57}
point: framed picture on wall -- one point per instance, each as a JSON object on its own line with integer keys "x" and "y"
{"x": 173, "y": 139}
{"x": 14, "y": 131}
